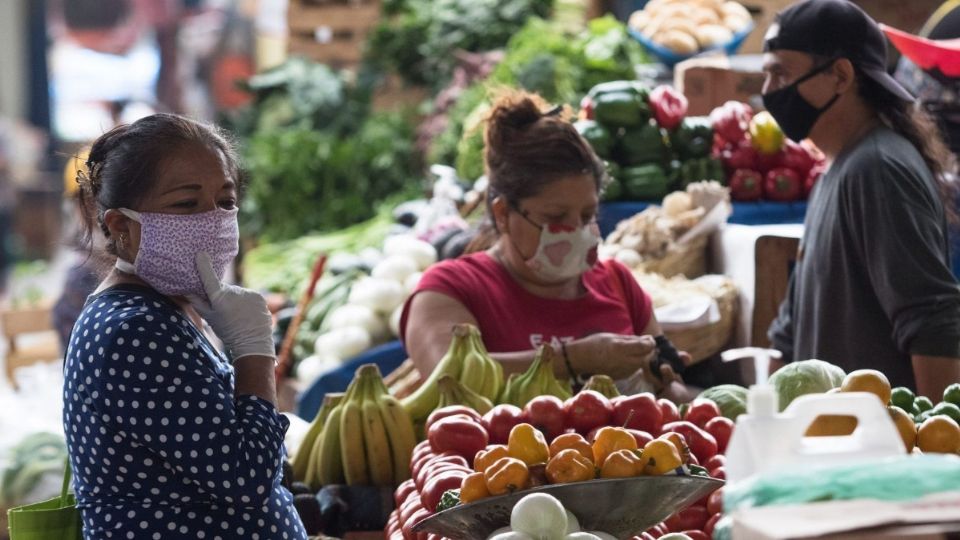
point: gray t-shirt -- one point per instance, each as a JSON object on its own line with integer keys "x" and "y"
{"x": 872, "y": 284}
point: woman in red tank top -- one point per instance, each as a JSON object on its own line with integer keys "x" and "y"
{"x": 540, "y": 282}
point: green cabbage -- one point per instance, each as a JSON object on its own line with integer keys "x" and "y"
{"x": 805, "y": 377}
{"x": 731, "y": 398}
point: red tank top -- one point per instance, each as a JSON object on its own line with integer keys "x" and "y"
{"x": 513, "y": 319}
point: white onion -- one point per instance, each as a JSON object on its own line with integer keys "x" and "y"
{"x": 379, "y": 294}
{"x": 539, "y": 515}
{"x": 395, "y": 267}
{"x": 358, "y": 315}
{"x": 344, "y": 343}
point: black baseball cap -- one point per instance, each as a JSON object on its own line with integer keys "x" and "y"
{"x": 839, "y": 29}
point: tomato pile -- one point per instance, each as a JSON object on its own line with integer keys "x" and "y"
{"x": 468, "y": 457}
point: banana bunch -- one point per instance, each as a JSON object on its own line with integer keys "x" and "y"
{"x": 538, "y": 380}
{"x": 453, "y": 392}
{"x": 466, "y": 361}
{"x": 603, "y": 384}
{"x": 304, "y": 460}
{"x": 365, "y": 439}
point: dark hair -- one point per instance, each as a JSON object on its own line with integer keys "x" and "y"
{"x": 95, "y": 14}
{"x": 527, "y": 146}
{"x": 915, "y": 124}
{"x": 124, "y": 162}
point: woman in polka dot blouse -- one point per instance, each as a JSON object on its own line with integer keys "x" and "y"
{"x": 167, "y": 438}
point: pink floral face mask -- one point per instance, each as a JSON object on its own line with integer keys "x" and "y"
{"x": 563, "y": 252}
{"x": 169, "y": 244}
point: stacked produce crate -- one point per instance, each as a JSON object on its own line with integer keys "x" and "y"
{"x": 331, "y": 31}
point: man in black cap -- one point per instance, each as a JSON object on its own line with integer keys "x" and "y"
{"x": 872, "y": 287}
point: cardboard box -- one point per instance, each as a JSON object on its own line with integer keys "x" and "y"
{"x": 709, "y": 82}
{"x": 936, "y": 517}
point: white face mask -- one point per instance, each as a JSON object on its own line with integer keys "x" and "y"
{"x": 564, "y": 252}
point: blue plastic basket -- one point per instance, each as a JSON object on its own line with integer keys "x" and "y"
{"x": 670, "y": 58}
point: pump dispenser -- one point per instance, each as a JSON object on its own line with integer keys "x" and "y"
{"x": 766, "y": 440}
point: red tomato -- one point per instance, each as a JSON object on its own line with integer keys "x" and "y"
{"x": 587, "y": 410}
{"x": 701, "y": 443}
{"x": 642, "y": 437}
{"x": 500, "y": 420}
{"x": 546, "y": 414}
{"x": 696, "y": 535}
{"x": 692, "y": 518}
{"x": 668, "y": 410}
{"x": 711, "y": 524}
{"x": 411, "y": 505}
{"x": 403, "y": 490}
{"x": 451, "y": 410}
{"x": 448, "y": 459}
{"x": 719, "y": 473}
{"x": 718, "y": 460}
{"x": 701, "y": 411}
{"x": 459, "y": 435}
{"x": 721, "y": 428}
{"x": 438, "y": 485}
{"x": 644, "y": 536}
{"x": 417, "y": 517}
{"x": 715, "y": 502}
{"x": 640, "y": 411}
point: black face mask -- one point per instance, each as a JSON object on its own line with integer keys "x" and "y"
{"x": 796, "y": 115}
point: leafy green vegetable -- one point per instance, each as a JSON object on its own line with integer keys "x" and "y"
{"x": 730, "y": 398}
{"x": 542, "y": 57}
{"x": 805, "y": 377}
{"x": 420, "y": 38}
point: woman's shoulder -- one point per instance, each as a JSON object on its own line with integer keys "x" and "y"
{"x": 113, "y": 312}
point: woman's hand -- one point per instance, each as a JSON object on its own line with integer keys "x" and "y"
{"x": 616, "y": 355}
{"x": 238, "y": 316}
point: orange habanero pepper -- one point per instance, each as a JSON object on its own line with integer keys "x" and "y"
{"x": 609, "y": 440}
{"x": 568, "y": 466}
{"x": 660, "y": 457}
{"x": 506, "y": 475}
{"x": 488, "y": 456}
{"x": 571, "y": 441}
{"x": 622, "y": 464}
{"x": 473, "y": 488}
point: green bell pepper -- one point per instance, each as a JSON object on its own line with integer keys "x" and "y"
{"x": 693, "y": 138}
{"x": 696, "y": 170}
{"x": 643, "y": 144}
{"x": 621, "y": 109}
{"x": 644, "y": 182}
{"x": 598, "y": 136}
{"x": 620, "y": 86}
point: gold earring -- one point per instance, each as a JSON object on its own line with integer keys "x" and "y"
{"x": 121, "y": 241}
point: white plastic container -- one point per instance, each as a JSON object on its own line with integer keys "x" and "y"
{"x": 765, "y": 440}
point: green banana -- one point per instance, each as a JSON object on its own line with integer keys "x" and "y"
{"x": 424, "y": 399}
{"x": 302, "y": 459}
{"x": 352, "y": 450}
{"x": 603, "y": 384}
{"x": 453, "y": 392}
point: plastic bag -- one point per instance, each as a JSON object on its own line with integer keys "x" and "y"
{"x": 900, "y": 478}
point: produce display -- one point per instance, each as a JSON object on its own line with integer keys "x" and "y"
{"x": 653, "y": 233}
{"x": 649, "y": 144}
{"x": 760, "y": 162}
{"x": 686, "y": 27}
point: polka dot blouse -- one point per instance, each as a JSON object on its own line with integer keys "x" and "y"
{"x": 160, "y": 446}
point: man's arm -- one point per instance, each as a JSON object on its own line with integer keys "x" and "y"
{"x": 934, "y": 374}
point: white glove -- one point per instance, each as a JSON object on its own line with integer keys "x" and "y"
{"x": 238, "y": 316}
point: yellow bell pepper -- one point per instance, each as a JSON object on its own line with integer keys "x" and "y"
{"x": 609, "y": 440}
{"x": 570, "y": 466}
{"x": 660, "y": 457}
{"x": 765, "y": 134}
{"x": 506, "y": 475}
{"x": 473, "y": 488}
{"x": 622, "y": 464}
{"x": 527, "y": 444}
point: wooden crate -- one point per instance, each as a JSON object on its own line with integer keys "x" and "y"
{"x": 331, "y": 32}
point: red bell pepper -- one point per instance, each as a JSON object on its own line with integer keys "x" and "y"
{"x": 732, "y": 120}
{"x": 438, "y": 484}
{"x": 768, "y": 162}
{"x": 458, "y": 434}
{"x": 783, "y": 184}
{"x": 746, "y": 185}
{"x": 668, "y": 106}
{"x": 812, "y": 178}
{"x": 741, "y": 156}
{"x": 798, "y": 158}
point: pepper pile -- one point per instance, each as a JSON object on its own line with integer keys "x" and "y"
{"x": 759, "y": 161}
{"x": 650, "y": 146}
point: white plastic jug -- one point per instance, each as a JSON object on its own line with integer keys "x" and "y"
{"x": 764, "y": 440}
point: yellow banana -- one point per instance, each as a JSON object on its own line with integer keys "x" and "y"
{"x": 453, "y": 392}
{"x": 400, "y": 433}
{"x": 497, "y": 385}
{"x": 301, "y": 460}
{"x": 379, "y": 458}
{"x": 329, "y": 466}
{"x": 474, "y": 372}
{"x": 352, "y": 450}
